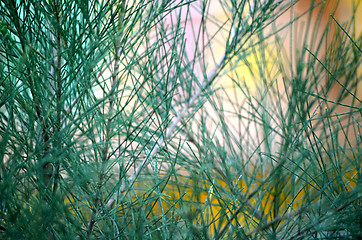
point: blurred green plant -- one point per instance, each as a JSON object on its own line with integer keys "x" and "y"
{"x": 135, "y": 120}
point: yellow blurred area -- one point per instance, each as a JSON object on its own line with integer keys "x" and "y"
{"x": 201, "y": 202}
{"x": 262, "y": 63}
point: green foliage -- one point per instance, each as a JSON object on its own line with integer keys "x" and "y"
{"x": 162, "y": 120}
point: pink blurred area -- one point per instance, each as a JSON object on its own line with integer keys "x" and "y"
{"x": 218, "y": 29}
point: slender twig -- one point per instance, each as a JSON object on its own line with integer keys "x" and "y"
{"x": 105, "y": 149}
{"x": 57, "y": 76}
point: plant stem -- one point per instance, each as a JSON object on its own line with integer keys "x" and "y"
{"x": 104, "y": 152}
